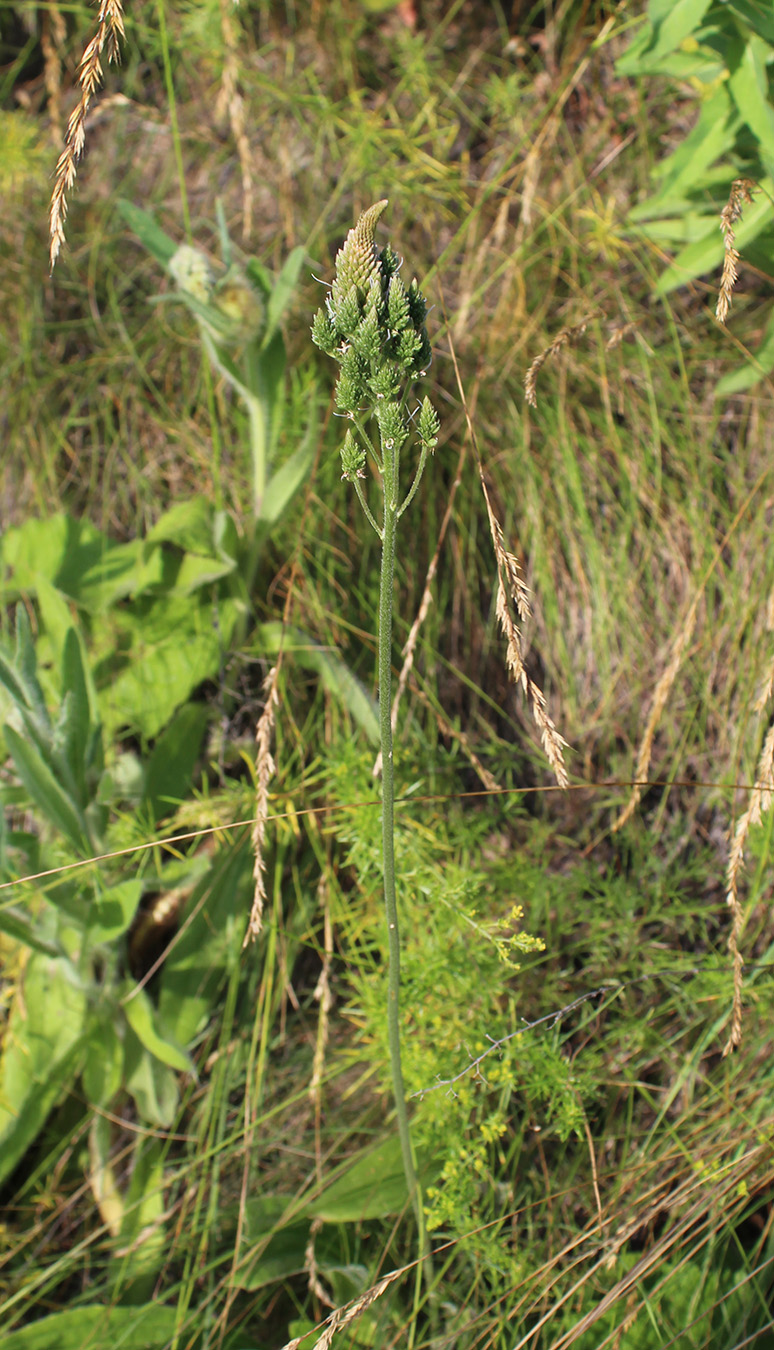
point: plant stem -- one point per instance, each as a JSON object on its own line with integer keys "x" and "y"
{"x": 390, "y": 484}
{"x": 257, "y": 451}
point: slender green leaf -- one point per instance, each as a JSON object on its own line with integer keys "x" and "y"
{"x": 670, "y": 23}
{"x": 285, "y": 483}
{"x": 150, "y": 235}
{"x": 73, "y": 731}
{"x": 283, "y": 290}
{"x": 712, "y": 137}
{"x": 748, "y": 375}
{"x": 45, "y": 792}
{"x": 757, "y": 15}
{"x": 140, "y": 1015}
{"x": 16, "y": 924}
{"x": 749, "y": 87}
{"x": 151, "y": 1084}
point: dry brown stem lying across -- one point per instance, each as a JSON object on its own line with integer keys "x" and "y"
{"x": 264, "y": 767}
{"x": 741, "y": 191}
{"x": 110, "y": 27}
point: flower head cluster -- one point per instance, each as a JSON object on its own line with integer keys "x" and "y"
{"x": 374, "y": 326}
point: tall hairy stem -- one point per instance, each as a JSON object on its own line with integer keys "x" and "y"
{"x": 388, "y": 844}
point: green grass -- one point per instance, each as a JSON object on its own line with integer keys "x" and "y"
{"x": 616, "y": 493}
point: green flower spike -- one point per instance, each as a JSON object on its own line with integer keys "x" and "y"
{"x": 358, "y": 261}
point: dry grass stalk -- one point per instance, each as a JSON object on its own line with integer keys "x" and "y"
{"x": 343, "y": 1316}
{"x": 230, "y": 101}
{"x": 52, "y": 39}
{"x": 761, "y": 798}
{"x": 110, "y": 27}
{"x": 660, "y": 696}
{"x": 565, "y": 337}
{"x": 264, "y": 767}
{"x": 511, "y": 589}
{"x": 741, "y": 191}
{"x": 316, "y": 1287}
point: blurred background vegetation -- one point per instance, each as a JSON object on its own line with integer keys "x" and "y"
{"x": 196, "y": 1145}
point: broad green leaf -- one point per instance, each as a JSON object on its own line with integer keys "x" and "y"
{"x": 45, "y": 792}
{"x": 747, "y": 376}
{"x": 42, "y": 1045}
{"x": 171, "y": 765}
{"x": 208, "y": 944}
{"x": 283, "y": 290}
{"x": 335, "y": 675}
{"x": 176, "y": 644}
{"x": 749, "y": 87}
{"x": 150, "y": 235}
{"x": 140, "y": 1014}
{"x": 285, "y": 483}
{"x": 707, "y": 253}
{"x": 37, "y": 547}
{"x": 113, "y": 911}
{"x": 188, "y": 524}
{"x": 94, "y": 1327}
{"x": 196, "y": 571}
{"x": 371, "y": 1187}
{"x": 103, "y": 1063}
{"x": 277, "y": 1244}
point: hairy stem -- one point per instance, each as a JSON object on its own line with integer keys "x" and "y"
{"x": 390, "y": 483}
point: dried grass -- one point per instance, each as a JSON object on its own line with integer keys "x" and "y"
{"x": 760, "y": 801}
{"x": 343, "y": 1316}
{"x": 110, "y": 27}
{"x": 264, "y": 766}
{"x": 231, "y": 103}
{"x": 52, "y": 39}
{"x": 742, "y": 190}
{"x": 565, "y": 337}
